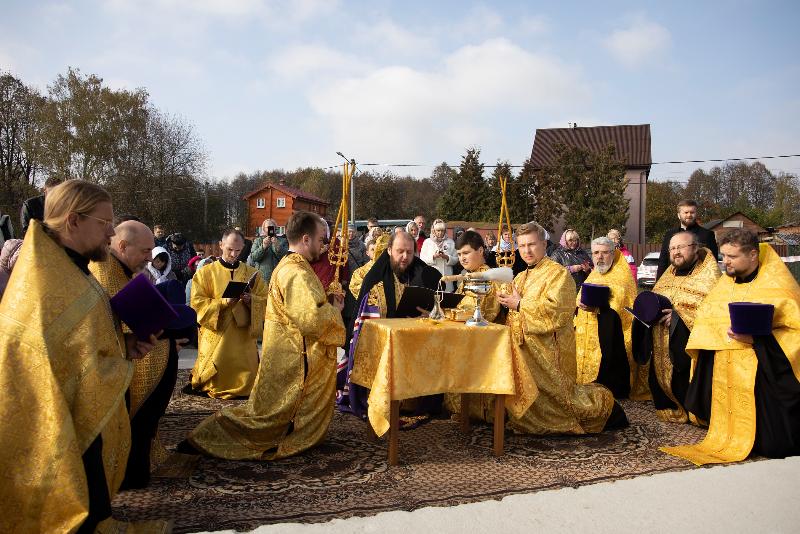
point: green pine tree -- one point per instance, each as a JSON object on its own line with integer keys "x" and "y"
{"x": 466, "y": 194}
{"x": 593, "y": 189}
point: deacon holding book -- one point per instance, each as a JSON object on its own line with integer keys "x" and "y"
{"x": 746, "y": 347}
{"x": 292, "y": 401}
{"x": 229, "y": 297}
{"x": 676, "y": 298}
{"x": 64, "y": 371}
{"x": 154, "y": 375}
{"x": 603, "y": 326}
{"x": 541, "y": 308}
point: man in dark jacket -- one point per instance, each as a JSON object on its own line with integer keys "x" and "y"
{"x": 33, "y": 208}
{"x": 180, "y": 251}
{"x": 687, "y": 215}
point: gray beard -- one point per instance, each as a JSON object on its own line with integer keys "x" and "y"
{"x": 604, "y": 269}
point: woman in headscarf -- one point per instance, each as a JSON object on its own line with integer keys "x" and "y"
{"x": 573, "y": 257}
{"x": 616, "y": 236}
{"x": 413, "y": 229}
{"x": 160, "y": 268}
{"x": 439, "y": 251}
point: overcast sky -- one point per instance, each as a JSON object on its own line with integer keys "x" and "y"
{"x": 287, "y": 84}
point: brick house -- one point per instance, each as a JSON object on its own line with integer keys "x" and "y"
{"x": 633, "y": 147}
{"x": 278, "y": 202}
{"x": 735, "y": 220}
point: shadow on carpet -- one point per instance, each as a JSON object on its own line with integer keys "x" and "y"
{"x": 348, "y": 475}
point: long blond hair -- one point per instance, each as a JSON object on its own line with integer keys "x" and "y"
{"x": 72, "y": 196}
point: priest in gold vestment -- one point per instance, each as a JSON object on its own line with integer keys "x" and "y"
{"x": 227, "y": 350}
{"x": 603, "y": 335}
{"x": 380, "y": 291}
{"x": 374, "y": 250}
{"x": 64, "y": 428}
{"x": 154, "y": 375}
{"x": 470, "y": 249}
{"x": 752, "y": 379}
{"x": 541, "y": 307}
{"x": 292, "y": 401}
{"x": 686, "y": 282}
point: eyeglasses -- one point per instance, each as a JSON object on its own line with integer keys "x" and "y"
{"x": 107, "y": 222}
{"x": 677, "y": 248}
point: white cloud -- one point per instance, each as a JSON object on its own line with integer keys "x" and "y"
{"x": 272, "y": 11}
{"x": 302, "y": 61}
{"x": 397, "y": 111}
{"x": 534, "y": 24}
{"x": 638, "y": 43}
{"x": 479, "y": 21}
{"x": 386, "y": 35}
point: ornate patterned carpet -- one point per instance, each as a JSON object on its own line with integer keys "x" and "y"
{"x": 348, "y": 475}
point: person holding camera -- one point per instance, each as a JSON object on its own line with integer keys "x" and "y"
{"x": 268, "y": 249}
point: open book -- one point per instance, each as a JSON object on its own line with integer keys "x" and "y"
{"x": 234, "y": 289}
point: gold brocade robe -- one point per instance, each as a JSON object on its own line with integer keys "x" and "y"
{"x": 357, "y": 278}
{"x": 63, "y": 375}
{"x": 732, "y": 429}
{"x": 481, "y": 405}
{"x": 623, "y": 292}
{"x": 227, "y": 354}
{"x": 377, "y": 297}
{"x": 686, "y": 294}
{"x": 292, "y": 401}
{"x": 543, "y": 331}
{"x": 147, "y": 371}
{"x": 490, "y": 306}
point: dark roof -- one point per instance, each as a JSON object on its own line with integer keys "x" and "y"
{"x": 789, "y": 239}
{"x": 710, "y": 225}
{"x": 291, "y": 191}
{"x": 632, "y": 142}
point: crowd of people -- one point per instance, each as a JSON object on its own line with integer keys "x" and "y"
{"x": 94, "y": 391}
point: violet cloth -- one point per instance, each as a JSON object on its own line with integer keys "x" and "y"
{"x": 142, "y": 307}
{"x": 352, "y": 398}
{"x": 595, "y": 296}
{"x": 648, "y": 305}
{"x": 8, "y": 257}
{"x": 751, "y": 318}
{"x": 173, "y": 291}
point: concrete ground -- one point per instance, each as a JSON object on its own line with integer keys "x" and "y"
{"x": 758, "y": 496}
{"x": 753, "y": 497}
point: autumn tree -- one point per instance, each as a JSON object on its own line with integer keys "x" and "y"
{"x": 662, "y": 202}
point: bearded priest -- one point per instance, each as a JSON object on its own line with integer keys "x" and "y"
{"x": 292, "y": 401}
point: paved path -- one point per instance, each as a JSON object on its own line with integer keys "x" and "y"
{"x": 753, "y": 497}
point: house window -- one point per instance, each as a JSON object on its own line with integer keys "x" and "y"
{"x": 281, "y": 230}
{"x": 281, "y": 202}
{"x": 260, "y": 203}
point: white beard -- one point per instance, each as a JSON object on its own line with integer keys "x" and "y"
{"x": 603, "y": 269}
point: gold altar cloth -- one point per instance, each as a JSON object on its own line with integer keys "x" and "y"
{"x": 406, "y": 358}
